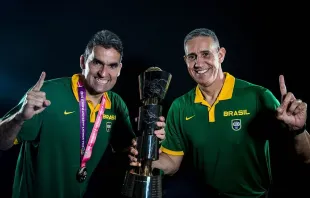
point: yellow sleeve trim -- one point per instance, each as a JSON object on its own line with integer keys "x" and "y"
{"x": 171, "y": 152}
{"x": 16, "y": 141}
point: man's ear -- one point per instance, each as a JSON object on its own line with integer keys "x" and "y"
{"x": 82, "y": 62}
{"x": 222, "y": 53}
{"x": 120, "y": 68}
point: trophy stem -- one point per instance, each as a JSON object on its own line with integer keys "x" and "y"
{"x": 146, "y": 168}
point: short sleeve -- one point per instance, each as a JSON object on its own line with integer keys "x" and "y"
{"x": 269, "y": 101}
{"x": 265, "y": 124}
{"x": 30, "y": 129}
{"x": 173, "y": 143}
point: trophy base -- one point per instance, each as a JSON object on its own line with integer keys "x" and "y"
{"x": 138, "y": 186}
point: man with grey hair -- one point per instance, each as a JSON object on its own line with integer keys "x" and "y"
{"x": 218, "y": 126}
{"x": 65, "y": 125}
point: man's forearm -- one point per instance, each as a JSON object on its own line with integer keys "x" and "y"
{"x": 166, "y": 164}
{"x": 9, "y": 129}
{"x": 302, "y": 146}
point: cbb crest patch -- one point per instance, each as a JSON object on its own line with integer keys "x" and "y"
{"x": 236, "y": 124}
{"x": 108, "y": 126}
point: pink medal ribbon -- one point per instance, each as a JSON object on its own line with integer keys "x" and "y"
{"x": 87, "y": 152}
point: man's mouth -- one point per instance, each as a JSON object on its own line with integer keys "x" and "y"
{"x": 101, "y": 81}
{"x": 201, "y": 71}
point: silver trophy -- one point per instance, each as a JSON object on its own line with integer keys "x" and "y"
{"x": 143, "y": 182}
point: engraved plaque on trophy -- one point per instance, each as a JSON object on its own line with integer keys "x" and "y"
{"x": 143, "y": 182}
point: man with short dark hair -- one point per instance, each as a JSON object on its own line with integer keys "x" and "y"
{"x": 65, "y": 125}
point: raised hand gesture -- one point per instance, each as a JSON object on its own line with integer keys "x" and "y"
{"x": 35, "y": 101}
{"x": 292, "y": 111}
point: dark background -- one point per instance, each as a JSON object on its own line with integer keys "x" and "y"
{"x": 263, "y": 39}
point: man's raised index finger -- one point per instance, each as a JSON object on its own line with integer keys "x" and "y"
{"x": 282, "y": 86}
{"x": 40, "y": 82}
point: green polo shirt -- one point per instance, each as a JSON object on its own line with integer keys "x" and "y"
{"x": 228, "y": 141}
{"x": 50, "y": 142}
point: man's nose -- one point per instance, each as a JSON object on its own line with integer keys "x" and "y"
{"x": 103, "y": 71}
{"x": 198, "y": 61}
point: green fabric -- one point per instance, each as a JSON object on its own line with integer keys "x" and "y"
{"x": 231, "y": 153}
{"x": 50, "y": 144}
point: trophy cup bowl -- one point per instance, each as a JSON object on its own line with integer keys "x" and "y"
{"x": 143, "y": 182}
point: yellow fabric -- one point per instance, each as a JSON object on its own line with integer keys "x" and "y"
{"x": 225, "y": 94}
{"x": 170, "y": 152}
{"x": 74, "y": 81}
{"x": 16, "y": 141}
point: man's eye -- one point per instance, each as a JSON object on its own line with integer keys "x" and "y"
{"x": 205, "y": 54}
{"x": 96, "y": 62}
{"x": 113, "y": 65}
{"x": 191, "y": 57}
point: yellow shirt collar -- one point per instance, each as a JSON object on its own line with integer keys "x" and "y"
{"x": 226, "y": 92}
{"x": 75, "y": 79}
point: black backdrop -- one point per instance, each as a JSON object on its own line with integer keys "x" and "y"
{"x": 262, "y": 40}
